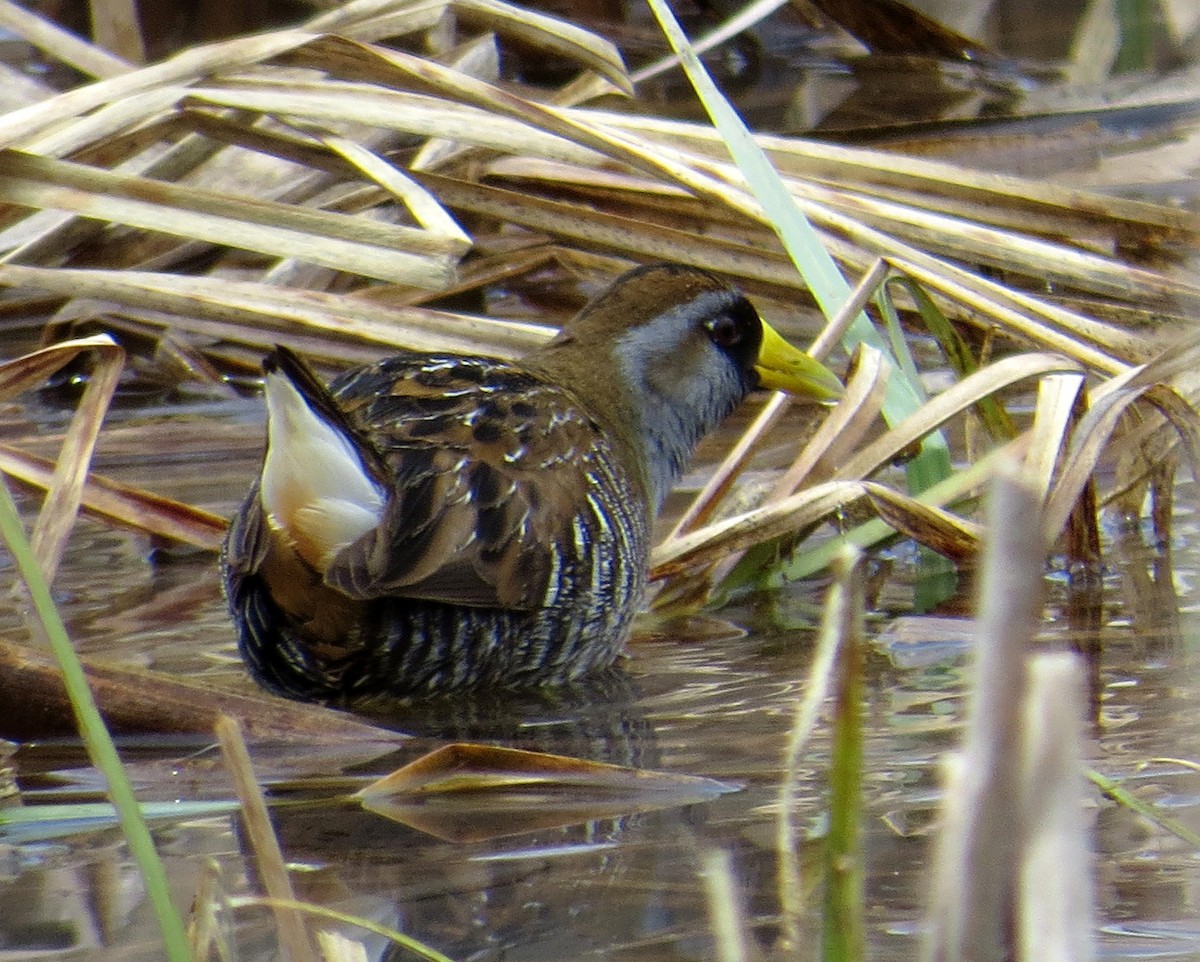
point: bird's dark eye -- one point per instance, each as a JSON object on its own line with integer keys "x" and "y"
{"x": 726, "y": 331}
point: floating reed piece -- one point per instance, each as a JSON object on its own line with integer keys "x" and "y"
{"x": 1012, "y": 847}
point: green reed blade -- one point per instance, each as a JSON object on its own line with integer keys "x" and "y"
{"x": 96, "y": 737}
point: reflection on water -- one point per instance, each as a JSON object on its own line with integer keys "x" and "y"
{"x": 628, "y": 887}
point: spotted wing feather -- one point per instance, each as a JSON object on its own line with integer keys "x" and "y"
{"x": 487, "y": 465}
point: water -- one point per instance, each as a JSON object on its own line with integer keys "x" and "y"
{"x": 619, "y": 886}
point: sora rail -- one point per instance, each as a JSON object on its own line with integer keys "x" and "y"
{"x": 437, "y": 521}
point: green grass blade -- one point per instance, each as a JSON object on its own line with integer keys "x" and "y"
{"x": 799, "y": 238}
{"x": 902, "y": 395}
{"x": 932, "y": 463}
{"x": 96, "y": 738}
{"x": 895, "y": 335}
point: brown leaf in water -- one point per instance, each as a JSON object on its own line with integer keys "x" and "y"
{"x": 468, "y": 792}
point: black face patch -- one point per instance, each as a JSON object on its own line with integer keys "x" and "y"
{"x": 736, "y": 330}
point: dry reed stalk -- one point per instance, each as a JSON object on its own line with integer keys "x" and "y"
{"x": 294, "y": 936}
{"x": 123, "y": 505}
{"x": 976, "y": 857}
{"x": 45, "y": 34}
{"x": 65, "y": 485}
{"x": 724, "y": 907}
{"x": 1012, "y": 860}
{"x": 117, "y": 27}
{"x": 1056, "y": 911}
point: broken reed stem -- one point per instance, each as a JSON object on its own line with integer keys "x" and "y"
{"x": 863, "y": 291}
{"x": 56, "y": 520}
{"x": 117, "y": 27}
{"x": 293, "y": 931}
{"x": 975, "y": 865}
{"x": 1055, "y": 906}
{"x": 1083, "y": 523}
{"x": 841, "y": 606}
{"x": 1013, "y": 859}
{"x": 202, "y": 925}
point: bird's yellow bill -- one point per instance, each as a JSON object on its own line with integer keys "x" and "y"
{"x": 781, "y": 367}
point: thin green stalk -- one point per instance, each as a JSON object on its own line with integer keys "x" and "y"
{"x": 821, "y": 676}
{"x": 937, "y": 576}
{"x": 895, "y": 335}
{"x": 1136, "y": 19}
{"x": 958, "y": 353}
{"x": 843, "y": 934}
{"x": 95, "y": 735}
{"x": 402, "y": 940}
{"x": 1118, "y": 794}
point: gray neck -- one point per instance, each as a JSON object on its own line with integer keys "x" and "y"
{"x": 678, "y": 411}
{"x": 668, "y": 442}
